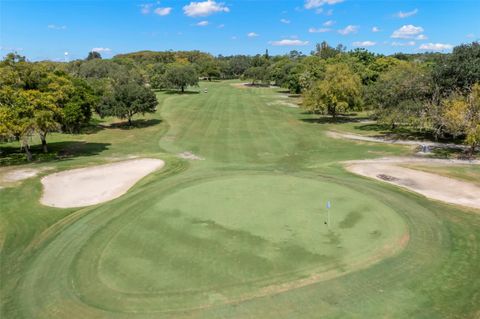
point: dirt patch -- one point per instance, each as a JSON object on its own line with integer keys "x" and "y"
{"x": 241, "y": 85}
{"x": 190, "y": 156}
{"x": 11, "y": 177}
{"x": 387, "y": 178}
{"x": 92, "y": 185}
{"x": 431, "y": 185}
{"x": 284, "y": 103}
{"x": 247, "y": 85}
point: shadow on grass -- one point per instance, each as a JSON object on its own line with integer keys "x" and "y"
{"x": 406, "y": 133}
{"x": 457, "y": 153}
{"x": 175, "y": 92}
{"x": 142, "y": 123}
{"x": 337, "y": 120}
{"x": 12, "y": 155}
{"x": 95, "y": 127}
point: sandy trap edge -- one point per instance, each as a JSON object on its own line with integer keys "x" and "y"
{"x": 95, "y": 184}
{"x": 430, "y": 185}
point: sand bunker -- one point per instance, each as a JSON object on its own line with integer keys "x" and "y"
{"x": 434, "y": 186}
{"x": 96, "y": 184}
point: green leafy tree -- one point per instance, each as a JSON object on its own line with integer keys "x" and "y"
{"x": 93, "y": 55}
{"x": 459, "y": 70}
{"x": 179, "y": 77}
{"x": 325, "y": 51}
{"x": 129, "y": 99}
{"x": 461, "y": 116}
{"x": 46, "y": 115}
{"x": 401, "y": 93}
{"x": 208, "y": 68}
{"x": 257, "y": 74}
{"x": 339, "y": 91}
{"x": 17, "y": 118}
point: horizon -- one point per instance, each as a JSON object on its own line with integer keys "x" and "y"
{"x": 65, "y": 31}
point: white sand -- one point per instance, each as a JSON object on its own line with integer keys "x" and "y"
{"x": 433, "y": 186}
{"x": 96, "y": 184}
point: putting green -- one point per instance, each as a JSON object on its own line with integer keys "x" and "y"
{"x": 227, "y": 239}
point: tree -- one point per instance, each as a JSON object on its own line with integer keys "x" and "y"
{"x": 461, "y": 116}
{"x": 401, "y": 93}
{"x": 16, "y": 118}
{"x": 325, "y": 51}
{"x": 129, "y": 99}
{"x": 179, "y": 77}
{"x": 339, "y": 91}
{"x": 93, "y": 55}
{"x": 460, "y": 70}
{"x": 257, "y": 74}
{"x": 46, "y": 115}
{"x": 155, "y": 74}
{"x": 208, "y": 67}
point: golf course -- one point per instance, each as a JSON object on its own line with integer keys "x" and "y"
{"x": 248, "y": 210}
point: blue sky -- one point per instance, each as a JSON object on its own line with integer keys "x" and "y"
{"x": 49, "y": 29}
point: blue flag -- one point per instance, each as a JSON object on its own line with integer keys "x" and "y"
{"x": 328, "y": 204}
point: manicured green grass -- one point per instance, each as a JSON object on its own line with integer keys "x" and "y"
{"x": 240, "y": 234}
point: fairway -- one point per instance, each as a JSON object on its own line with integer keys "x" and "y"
{"x": 240, "y": 232}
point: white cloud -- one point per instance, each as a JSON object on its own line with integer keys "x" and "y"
{"x": 252, "y": 35}
{"x": 375, "y": 29}
{"x": 403, "y": 44}
{"x": 289, "y": 42}
{"x": 285, "y": 21}
{"x": 403, "y": 15}
{"x": 407, "y": 32}
{"x": 421, "y": 37}
{"x": 202, "y": 23}
{"x": 145, "y": 8}
{"x": 234, "y": 38}
{"x": 470, "y": 35}
{"x": 435, "y": 46}
{"x": 348, "y": 29}
{"x": 163, "y": 11}
{"x": 329, "y": 12}
{"x": 312, "y": 4}
{"x": 364, "y": 43}
{"x": 100, "y": 50}
{"x": 329, "y": 23}
{"x": 56, "y": 27}
{"x": 221, "y": 26}
{"x": 205, "y": 8}
{"x": 319, "y": 30}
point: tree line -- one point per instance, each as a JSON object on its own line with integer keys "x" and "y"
{"x": 433, "y": 92}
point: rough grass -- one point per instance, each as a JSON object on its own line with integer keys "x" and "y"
{"x": 240, "y": 234}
